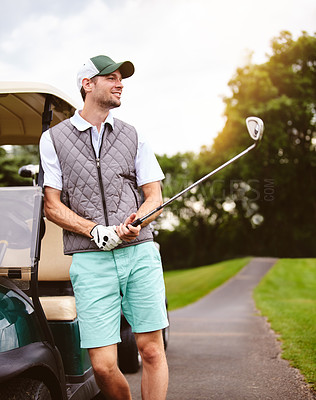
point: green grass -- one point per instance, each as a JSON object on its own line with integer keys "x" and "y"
{"x": 287, "y": 297}
{"x": 186, "y": 286}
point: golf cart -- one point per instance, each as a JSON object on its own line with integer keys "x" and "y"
{"x": 40, "y": 354}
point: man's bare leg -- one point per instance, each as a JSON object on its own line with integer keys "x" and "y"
{"x": 107, "y": 374}
{"x": 155, "y": 368}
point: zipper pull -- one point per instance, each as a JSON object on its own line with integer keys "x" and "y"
{"x": 98, "y": 162}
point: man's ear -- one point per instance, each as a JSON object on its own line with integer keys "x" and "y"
{"x": 87, "y": 84}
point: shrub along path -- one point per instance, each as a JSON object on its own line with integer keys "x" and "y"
{"x": 220, "y": 348}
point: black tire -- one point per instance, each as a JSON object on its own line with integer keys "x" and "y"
{"x": 99, "y": 396}
{"x": 165, "y": 336}
{"x": 128, "y": 357}
{"x": 24, "y": 389}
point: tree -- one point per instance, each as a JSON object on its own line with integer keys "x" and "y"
{"x": 265, "y": 203}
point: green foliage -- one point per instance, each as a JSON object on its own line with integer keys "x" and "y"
{"x": 185, "y": 287}
{"x": 265, "y": 203}
{"x": 287, "y": 296}
{"x": 13, "y": 158}
{"x": 178, "y": 171}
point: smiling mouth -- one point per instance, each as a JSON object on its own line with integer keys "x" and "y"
{"x": 117, "y": 94}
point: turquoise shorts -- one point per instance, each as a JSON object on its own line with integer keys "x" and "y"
{"x": 130, "y": 278}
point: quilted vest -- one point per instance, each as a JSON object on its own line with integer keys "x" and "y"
{"x": 102, "y": 190}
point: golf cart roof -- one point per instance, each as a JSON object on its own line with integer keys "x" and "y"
{"x": 21, "y": 109}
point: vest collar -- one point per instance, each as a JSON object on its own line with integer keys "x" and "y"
{"x": 82, "y": 125}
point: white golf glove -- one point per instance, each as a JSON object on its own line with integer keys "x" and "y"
{"x": 105, "y": 237}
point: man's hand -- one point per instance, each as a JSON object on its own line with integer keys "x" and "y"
{"x": 126, "y": 231}
{"x": 105, "y": 237}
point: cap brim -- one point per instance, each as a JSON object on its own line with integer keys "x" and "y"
{"x": 126, "y": 69}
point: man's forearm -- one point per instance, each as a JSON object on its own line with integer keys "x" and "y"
{"x": 153, "y": 199}
{"x": 67, "y": 219}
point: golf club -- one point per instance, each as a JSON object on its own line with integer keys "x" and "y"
{"x": 255, "y": 129}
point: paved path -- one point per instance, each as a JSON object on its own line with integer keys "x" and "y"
{"x": 220, "y": 348}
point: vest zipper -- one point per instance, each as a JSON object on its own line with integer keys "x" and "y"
{"x": 102, "y": 191}
{"x": 97, "y": 159}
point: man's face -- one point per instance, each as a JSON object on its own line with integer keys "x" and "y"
{"x": 107, "y": 90}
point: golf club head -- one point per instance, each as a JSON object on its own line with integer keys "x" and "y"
{"x": 255, "y": 128}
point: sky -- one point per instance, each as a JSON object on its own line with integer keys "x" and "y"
{"x": 184, "y": 52}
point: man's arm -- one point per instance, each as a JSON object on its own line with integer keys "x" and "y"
{"x": 153, "y": 199}
{"x": 61, "y": 215}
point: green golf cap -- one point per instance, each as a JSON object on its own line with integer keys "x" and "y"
{"x": 103, "y": 65}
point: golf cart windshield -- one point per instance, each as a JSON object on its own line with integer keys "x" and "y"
{"x": 20, "y": 209}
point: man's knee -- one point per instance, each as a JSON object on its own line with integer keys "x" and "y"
{"x": 105, "y": 369}
{"x": 152, "y": 353}
{"x": 104, "y": 362}
{"x": 151, "y": 348}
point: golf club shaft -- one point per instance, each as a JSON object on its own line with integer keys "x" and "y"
{"x": 142, "y": 219}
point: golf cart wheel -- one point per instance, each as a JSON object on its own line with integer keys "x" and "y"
{"x": 165, "y": 336}
{"x": 24, "y": 389}
{"x": 128, "y": 357}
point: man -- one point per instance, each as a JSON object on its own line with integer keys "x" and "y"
{"x": 93, "y": 164}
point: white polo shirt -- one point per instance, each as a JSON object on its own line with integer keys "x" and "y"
{"x": 146, "y": 164}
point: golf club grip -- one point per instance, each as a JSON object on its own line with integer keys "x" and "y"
{"x": 136, "y": 222}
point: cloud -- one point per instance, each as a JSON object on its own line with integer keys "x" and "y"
{"x": 184, "y": 51}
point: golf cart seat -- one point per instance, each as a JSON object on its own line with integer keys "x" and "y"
{"x": 55, "y": 289}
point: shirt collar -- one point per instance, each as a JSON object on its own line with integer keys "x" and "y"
{"x": 82, "y": 125}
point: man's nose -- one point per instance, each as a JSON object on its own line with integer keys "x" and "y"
{"x": 119, "y": 84}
